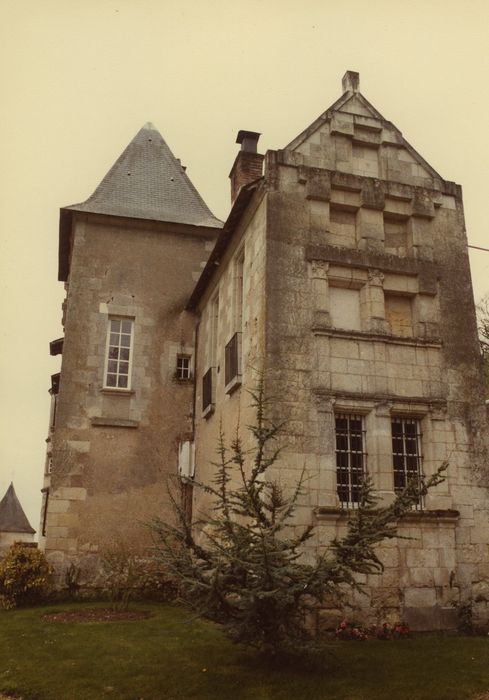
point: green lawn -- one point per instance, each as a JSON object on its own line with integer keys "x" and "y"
{"x": 168, "y": 656}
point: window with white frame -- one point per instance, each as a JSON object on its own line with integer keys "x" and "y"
{"x": 119, "y": 353}
{"x": 406, "y": 452}
{"x": 350, "y": 458}
{"x": 183, "y": 367}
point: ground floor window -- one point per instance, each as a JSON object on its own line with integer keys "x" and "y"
{"x": 406, "y": 452}
{"x": 350, "y": 458}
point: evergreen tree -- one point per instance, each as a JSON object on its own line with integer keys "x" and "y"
{"x": 243, "y": 566}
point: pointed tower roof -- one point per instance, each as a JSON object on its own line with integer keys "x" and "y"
{"x": 148, "y": 182}
{"x": 12, "y": 516}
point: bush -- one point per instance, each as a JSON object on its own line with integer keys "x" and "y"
{"x": 24, "y": 576}
{"x": 129, "y": 576}
{"x": 72, "y": 581}
{"x": 120, "y": 572}
{"x": 351, "y": 631}
{"x": 154, "y": 582}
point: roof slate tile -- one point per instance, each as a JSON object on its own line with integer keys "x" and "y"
{"x": 12, "y": 516}
{"x": 148, "y": 182}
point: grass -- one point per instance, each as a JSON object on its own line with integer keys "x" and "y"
{"x": 169, "y": 657}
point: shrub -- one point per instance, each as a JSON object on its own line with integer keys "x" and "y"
{"x": 72, "y": 581}
{"x": 154, "y": 582}
{"x": 120, "y": 571}
{"x": 24, "y": 576}
{"x": 351, "y": 631}
{"x": 400, "y": 630}
{"x": 128, "y": 576}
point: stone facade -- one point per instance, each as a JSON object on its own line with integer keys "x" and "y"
{"x": 342, "y": 273}
{"x": 366, "y": 320}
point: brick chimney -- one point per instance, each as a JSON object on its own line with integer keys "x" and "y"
{"x": 247, "y": 166}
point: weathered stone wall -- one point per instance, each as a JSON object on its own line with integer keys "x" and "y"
{"x": 356, "y": 140}
{"x": 368, "y": 311}
{"x": 114, "y": 449}
{"x": 336, "y": 343}
{"x": 231, "y": 407}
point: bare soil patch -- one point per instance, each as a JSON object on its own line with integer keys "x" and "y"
{"x": 95, "y": 615}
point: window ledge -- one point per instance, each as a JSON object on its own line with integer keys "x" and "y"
{"x": 114, "y": 422}
{"x": 117, "y": 392}
{"x": 233, "y": 384}
{"x": 208, "y": 411}
{"x": 187, "y": 381}
{"x": 394, "y": 339}
{"x": 447, "y": 515}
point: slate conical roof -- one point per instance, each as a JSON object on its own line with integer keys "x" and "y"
{"x": 12, "y": 516}
{"x": 148, "y": 182}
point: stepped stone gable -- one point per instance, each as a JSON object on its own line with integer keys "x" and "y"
{"x": 342, "y": 272}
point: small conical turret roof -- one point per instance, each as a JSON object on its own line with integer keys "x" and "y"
{"x": 12, "y": 516}
{"x": 148, "y": 182}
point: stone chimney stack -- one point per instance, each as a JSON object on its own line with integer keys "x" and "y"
{"x": 247, "y": 166}
{"x": 351, "y": 81}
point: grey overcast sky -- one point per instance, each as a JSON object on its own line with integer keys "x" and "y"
{"x": 79, "y": 79}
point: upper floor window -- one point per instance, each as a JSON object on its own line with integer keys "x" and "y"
{"x": 399, "y": 314}
{"x": 395, "y": 236}
{"x": 208, "y": 390}
{"x": 232, "y": 350}
{"x": 119, "y": 353}
{"x": 183, "y": 367}
{"x": 214, "y": 330}
{"x": 345, "y": 308}
{"x": 342, "y": 226}
{"x": 406, "y": 452}
{"x": 232, "y": 362}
